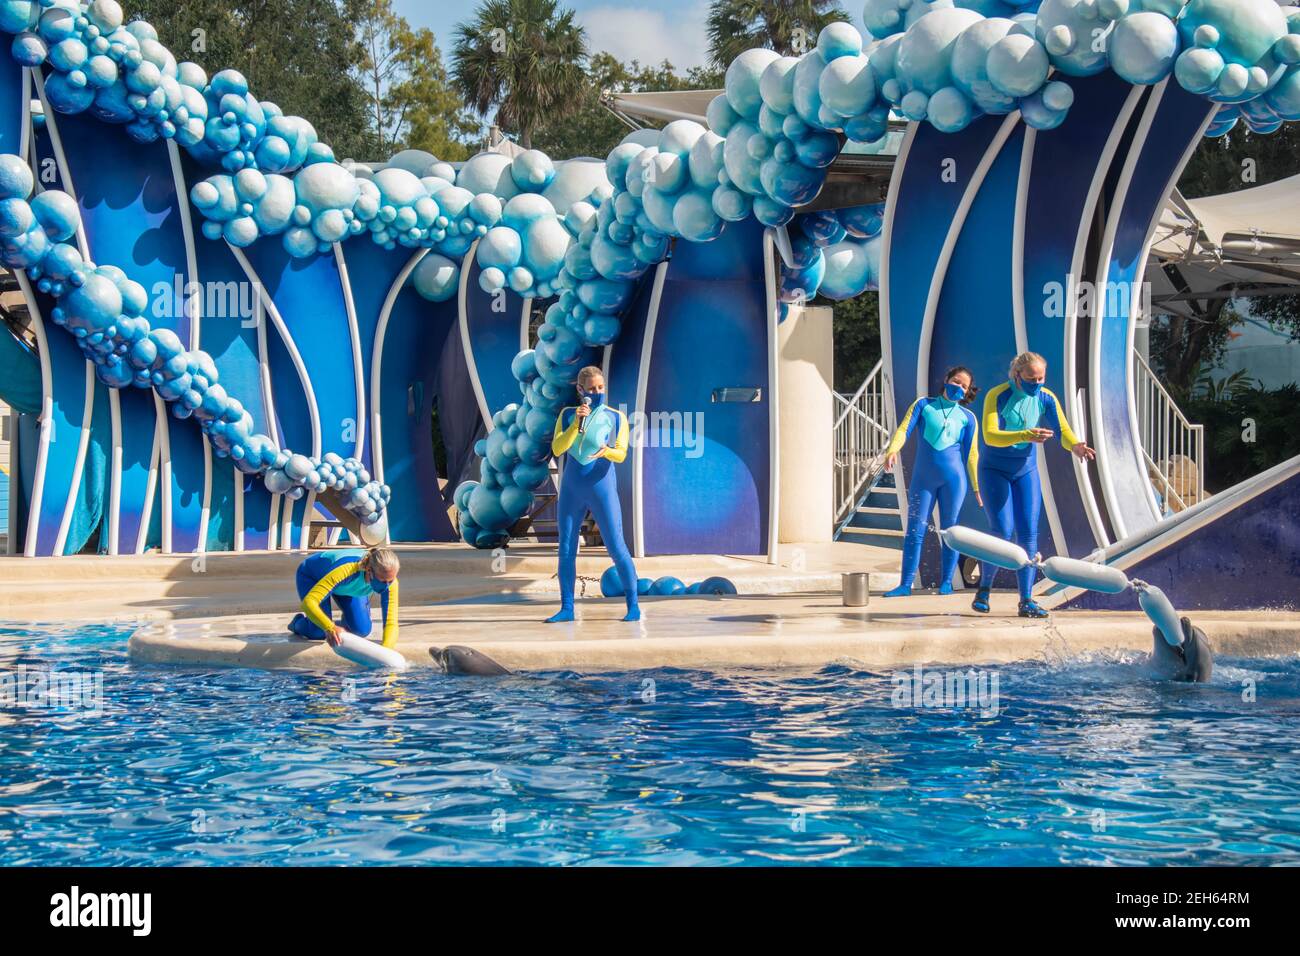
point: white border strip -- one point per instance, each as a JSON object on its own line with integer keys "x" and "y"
{"x": 88, "y": 406}
{"x": 642, "y": 386}
{"x": 46, "y": 417}
{"x": 1113, "y": 217}
{"x": 268, "y": 304}
{"x": 355, "y": 333}
{"x": 773, "y": 399}
{"x": 462, "y": 300}
{"x": 193, "y": 312}
{"x": 1073, "y": 390}
{"x": 886, "y": 337}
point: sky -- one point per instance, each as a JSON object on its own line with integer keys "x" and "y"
{"x": 646, "y": 30}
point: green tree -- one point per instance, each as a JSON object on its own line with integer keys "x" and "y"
{"x": 592, "y": 130}
{"x": 412, "y": 104}
{"x": 857, "y": 339}
{"x": 789, "y": 27}
{"x": 523, "y": 58}
{"x": 302, "y": 55}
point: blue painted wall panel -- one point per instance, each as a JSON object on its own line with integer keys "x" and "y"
{"x": 711, "y": 333}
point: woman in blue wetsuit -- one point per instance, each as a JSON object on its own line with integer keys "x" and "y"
{"x": 595, "y": 438}
{"x": 946, "y": 460}
{"x": 348, "y": 576}
{"x": 1019, "y": 414}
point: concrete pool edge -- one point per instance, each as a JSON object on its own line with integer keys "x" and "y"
{"x": 619, "y": 647}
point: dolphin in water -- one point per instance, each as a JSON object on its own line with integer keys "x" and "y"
{"x": 457, "y": 659}
{"x": 1190, "y": 661}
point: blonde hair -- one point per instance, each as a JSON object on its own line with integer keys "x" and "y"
{"x": 588, "y": 373}
{"x": 382, "y": 560}
{"x": 1023, "y": 361}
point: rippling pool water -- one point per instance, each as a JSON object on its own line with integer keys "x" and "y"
{"x": 1084, "y": 762}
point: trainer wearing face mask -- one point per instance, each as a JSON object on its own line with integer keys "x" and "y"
{"x": 592, "y": 438}
{"x": 946, "y": 458}
{"x": 1018, "y": 414}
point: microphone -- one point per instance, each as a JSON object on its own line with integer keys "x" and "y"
{"x": 582, "y": 422}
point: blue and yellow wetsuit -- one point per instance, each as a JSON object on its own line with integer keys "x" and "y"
{"x": 946, "y": 467}
{"x": 589, "y": 484}
{"x": 1013, "y": 495}
{"x": 337, "y": 576}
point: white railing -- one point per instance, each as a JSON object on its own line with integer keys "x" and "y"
{"x": 863, "y": 426}
{"x": 1173, "y": 447}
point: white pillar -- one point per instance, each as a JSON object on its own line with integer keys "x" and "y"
{"x": 806, "y": 408}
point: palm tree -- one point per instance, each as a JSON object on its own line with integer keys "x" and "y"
{"x": 789, "y": 27}
{"x": 523, "y": 57}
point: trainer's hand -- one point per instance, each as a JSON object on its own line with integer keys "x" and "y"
{"x": 1084, "y": 452}
{"x": 334, "y": 637}
{"x": 1040, "y": 435}
{"x": 979, "y": 499}
{"x": 584, "y": 411}
{"x": 890, "y": 462}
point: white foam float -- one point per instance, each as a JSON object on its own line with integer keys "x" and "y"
{"x": 985, "y": 547}
{"x": 1161, "y": 611}
{"x": 1085, "y": 574}
{"x": 367, "y": 653}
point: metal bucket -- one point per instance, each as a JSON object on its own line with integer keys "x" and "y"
{"x": 856, "y": 587}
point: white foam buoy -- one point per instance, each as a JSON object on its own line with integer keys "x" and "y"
{"x": 985, "y": 547}
{"x": 1085, "y": 574}
{"x": 1161, "y": 611}
{"x": 358, "y": 650}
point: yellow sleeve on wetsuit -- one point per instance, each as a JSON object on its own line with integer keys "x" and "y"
{"x": 320, "y": 591}
{"x": 973, "y": 456}
{"x": 1068, "y": 438}
{"x": 617, "y": 452}
{"x": 390, "y": 616}
{"x": 901, "y": 432}
{"x": 564, "y": 438}
{"x": 993, "y": 432}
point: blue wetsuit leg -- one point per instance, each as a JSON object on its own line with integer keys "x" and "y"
{"x": 356, "y": 615}
{"x": 920, "y": 502}
{"x": 608, "y": 513}
{"x": 594, "y": 490}
{"x": 951, "y": 495}
{"x": 302, "y": 625}
{"x": 570, "y": 510}
{"x": 995, "y": 488}
{"x": 1027, "y": 503}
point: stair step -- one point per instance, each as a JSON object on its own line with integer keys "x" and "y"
{"x": 887, "y": 498}
{"x": 879, "y": 519}
{"x": 877, "y": 537}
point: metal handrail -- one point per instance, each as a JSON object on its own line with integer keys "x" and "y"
{"x": 1168, "y": 439}
{"x": 863, "y": 426}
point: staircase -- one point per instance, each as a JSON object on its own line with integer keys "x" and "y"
{"x": 1173, "y": 448}
{"x": 875, "y": 520}
{"x": 866, "y": 499}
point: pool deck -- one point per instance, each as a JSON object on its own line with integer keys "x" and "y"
{"x": 231, "y": 609}
{"x": 145, "y": 588}
{"x": 811, "y": 629}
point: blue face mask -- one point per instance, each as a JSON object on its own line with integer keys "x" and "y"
{"x": 953, "y": 392}
{"x": 597, "y": 399}
{"x": 1031, "y": 388}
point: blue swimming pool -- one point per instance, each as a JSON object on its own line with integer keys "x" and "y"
{"x": 1082, "y": 761}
